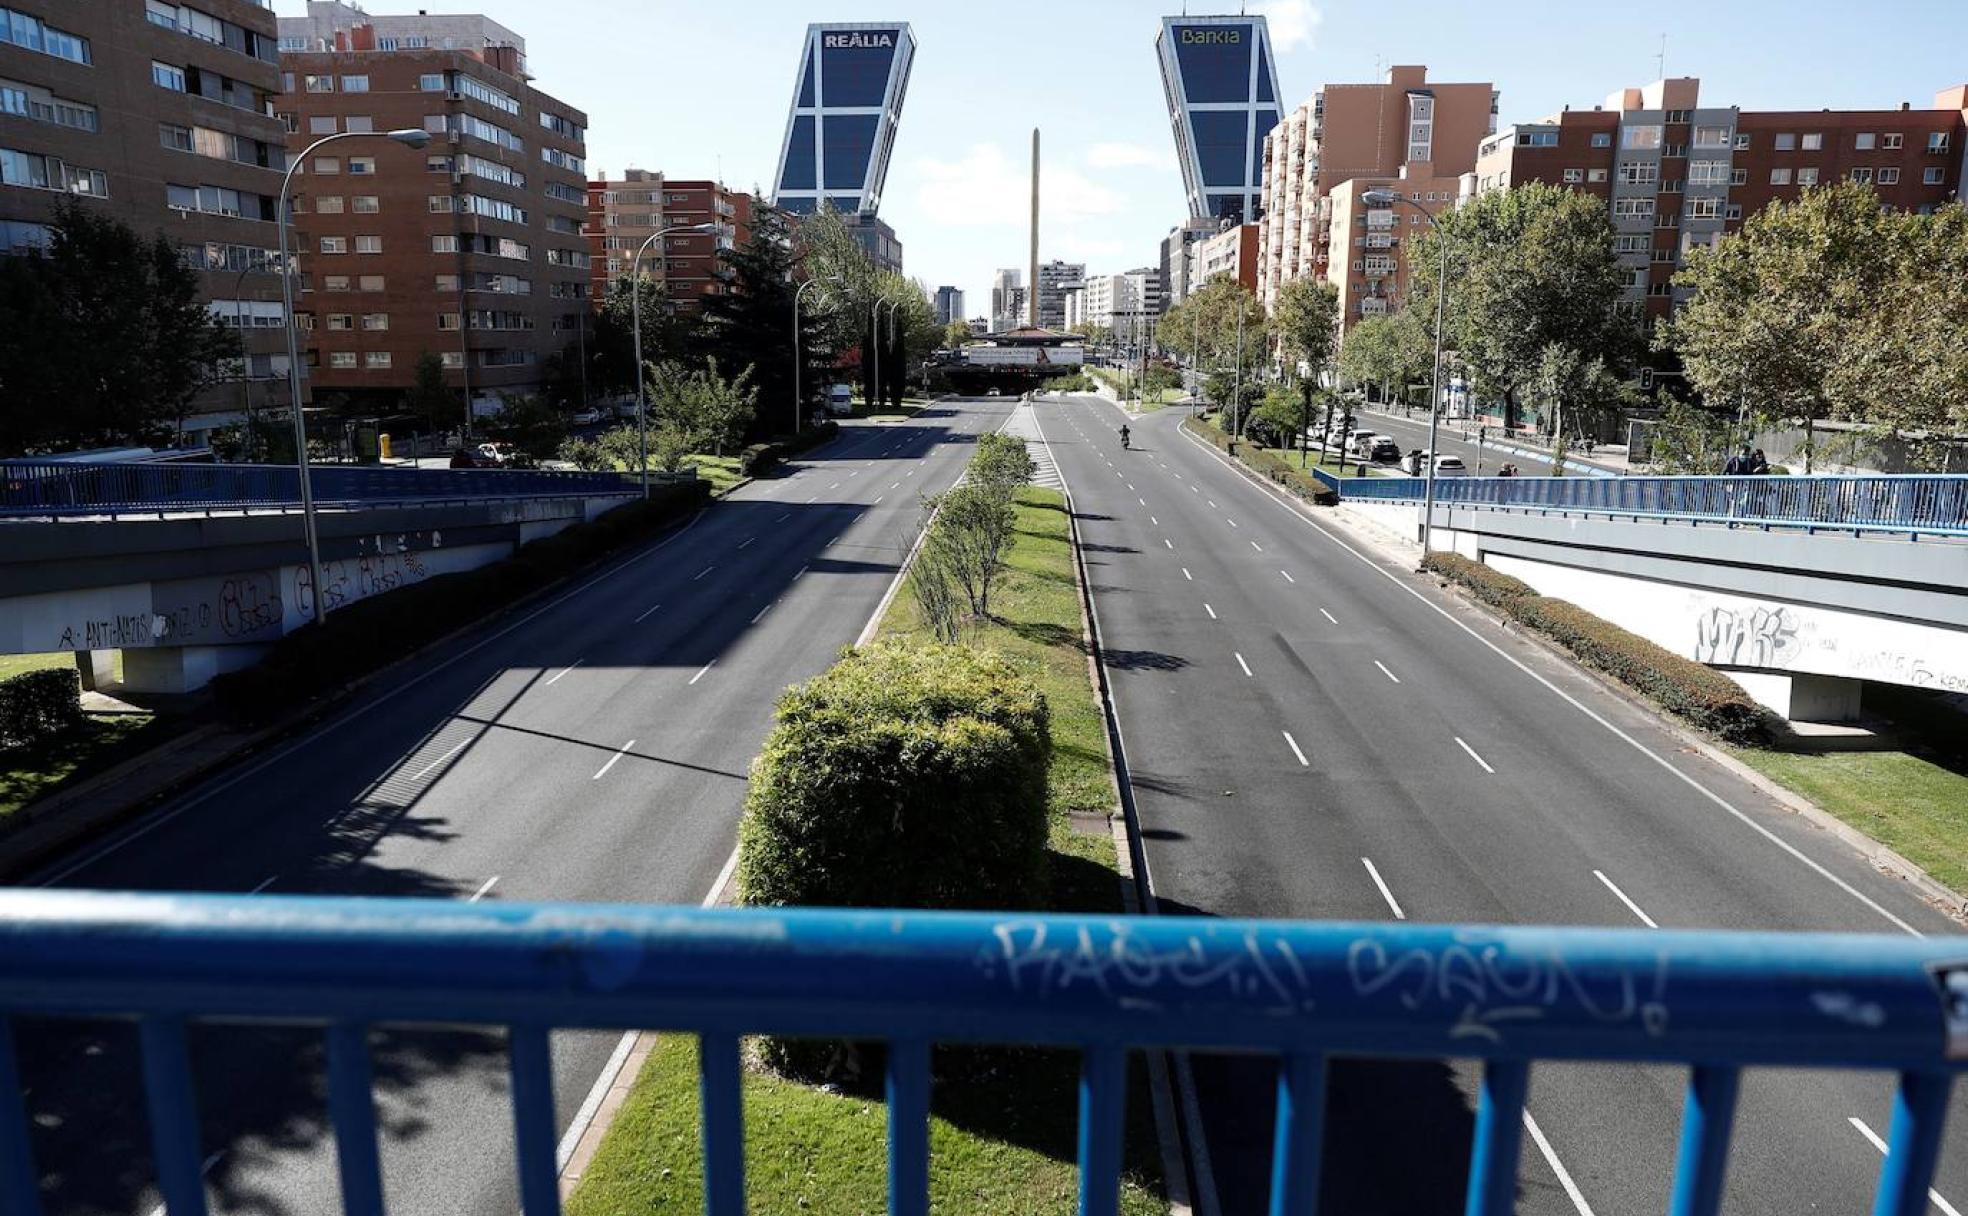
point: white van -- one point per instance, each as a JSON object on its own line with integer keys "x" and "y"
{"x": 840, "y": 399}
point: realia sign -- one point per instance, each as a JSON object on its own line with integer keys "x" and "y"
{"x": 859, "y": 40}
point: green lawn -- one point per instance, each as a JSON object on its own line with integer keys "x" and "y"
{"x": 1003, "y": 1120}
{"x": 28, "y": 773}
{"x": 1120, "y": 382}
{"x": 720, "y": 471}
{"x": 16, "y": 664}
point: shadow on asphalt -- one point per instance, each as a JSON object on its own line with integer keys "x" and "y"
{"x": 1397, "y": 1132}
{"x": 261, "y": 1092}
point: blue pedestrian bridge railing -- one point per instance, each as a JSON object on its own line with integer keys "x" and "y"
{"x": 1302, "y": 992}
{"x": 1904, "y": 503}
{"x": 43, "y": 488}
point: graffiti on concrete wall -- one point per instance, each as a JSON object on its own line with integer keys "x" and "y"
{"x": 108, "y": 633}
{"x": 1760, "y": 636}
{"x": 350, "y": 579}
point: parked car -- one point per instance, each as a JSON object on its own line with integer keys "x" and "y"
{"x": 471, "y": 458}
{"x": 1384, "y": 450}
{"x": 586, "y": 417}
{"x": 992, "y": 392}
{"x": 1362, "y": 443}
{"x": 498, "y": 455}
{"x": 1450, "y": 466}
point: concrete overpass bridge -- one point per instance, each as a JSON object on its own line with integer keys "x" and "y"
{"x": 1801, "y": 589}
{"x": 194, "y": 570}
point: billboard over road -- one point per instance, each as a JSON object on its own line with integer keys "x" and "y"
{"x": 1024, "y": 356}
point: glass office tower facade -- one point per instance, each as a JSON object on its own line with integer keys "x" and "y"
{"x": 847, "y": 100}
{"x": 1222, "y": 90}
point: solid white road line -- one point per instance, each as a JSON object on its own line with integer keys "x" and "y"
{"x": 555, "y": 678}
{"x": 1385, "y": 894}
{"x": 1210, "y": 610}
{"x": 1256, "y": 546}
{"x": 1557, "y": 1167}
{"x": 264, "y": 885}
{"x": 1194, "y": 490}
{"x": 646, "y": 612}
{"x": 600, "y": 772}
{"x": 802, "y": 572}
{"x": 702, "y": 573}
{"x": 1630, "y": 905}
{"x": 701, "y": 670}
{"x": 1288, "y": 577}
{"x": 1880, "y": 1144}
{"x": 1241, "y": 663}
{"x": 1169, "y": 543}
{"x": 761, "y": 612}
{"x": 1383, "y": 671}
{"x": 878, "y": 499}
{"x": 1295, "y": 750}
{"x": 1211, "y": 502}
{"x": 1154, "y": 522}
{"x": 1329, "y": 616}
{"x": 1187, "y": 575}
{"x": 1723, "y": 803}
{"x": 835, "y": 486}
{"x": 1233, "y": 523}
{"x": 1472, "y": 752}
{"x": 895, "y": 485}
{"x": 449, "y": 752}
{"x": 480, "y": 893}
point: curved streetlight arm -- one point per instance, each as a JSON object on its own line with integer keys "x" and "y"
{"x": 635, "y": 314}
{"x": 284, "y": 207}
{"x": 799, "y": 294}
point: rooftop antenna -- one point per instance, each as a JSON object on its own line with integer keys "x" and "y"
{"x": 1660, "y": 60}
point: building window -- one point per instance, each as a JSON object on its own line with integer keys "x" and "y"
{"x": 1862, "y": 174}
{"x": 447, "y": 320}
{"x": 1602, "y": 139}
{"x": 1639, "y": 173}
{"x": 328, "y": 204}
{"x": 1711, "y": 137}
{"x": 440, "y": 202}
{"x": 446, "y": 282}
{"x": 365, "y": 204}
{"x": 375, "y": 320}
{"x": 355, "y": 84}
{"x": 1893, "y": 140}
{"x": 1704, "y": 208}
{"x": 178, "y": 139}
{"x": 453, "y": 358}
{"x": 1595, "y": 175}
{"x": 334, "y": 282}
{"x": 25, "y": 30}
{"x": 369, "y": 282}
{"x": 368, "y": 244}
{"x": 318, "y": 84}
{"x": 444, "y": 243}
{"x": 1631, "y": 243}
{"x": 361, "y": 124}
{"x": 166, "y": 76}
{"x": 1664, "y": 254}
{"x": 431, "y": 82}
{"x": 1738, "y": 177}
{"x": 334, "y": 244}
{"x": 1785, "y": 142}
{"x": 1640, "y": 136}
{"x": 1780, "y": 177}
{"x": 34, "y": 171}
{"x": 1813, "y": 141}
{"x": 1937, "y": 141}
{"x": 1742, "y": 142}
{"x": 1864, "y": 141}
{"x": 437, "y": 164}
{"x": 341, "y": 320}
{"x": 1734, "y": 212}
{"x": 1889, "y": 176}
{"x": 1933, "y": 175}
{"x": 1674, "y": 150}
{"x": 327, "y": 164}
{"x": 1708, "y": 172}
{"x": 1629, "y": 207}
{"x": 376, "y": 360}
{"x": 1807, "y": 176}
{"x": 341, "y": 358}
{"x": 33, "y": 102}
{"x": 321, "y": 124}
{"x": 362, "y": 164}
{"x": 1660, "y": 289}
{"x": 1574, "y": 175}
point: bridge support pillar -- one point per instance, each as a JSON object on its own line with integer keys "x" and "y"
{"x": 97, "y": 669}
{"x": 1803, "y": 698}
{"x": 178, "y": 669}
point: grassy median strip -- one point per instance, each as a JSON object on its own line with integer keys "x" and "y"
{"x": 27, "y": 773}
{"x": 1003, "y": 1120}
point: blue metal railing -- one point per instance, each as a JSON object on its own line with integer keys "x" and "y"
{"x": 1304, "y": 992}
{"x": 1889, "y": 502}
{"x": 55, "y": 488}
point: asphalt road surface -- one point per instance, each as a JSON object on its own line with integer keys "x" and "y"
{"x": 591, "y": 749}
{"x": 1315, "y": 732}
{"x": 1412, "y": 433}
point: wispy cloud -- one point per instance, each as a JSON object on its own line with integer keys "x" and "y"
{"x": 987, "y": 188}
{"x": 1292, "y": 22}
{"x": 1128, "y": 156}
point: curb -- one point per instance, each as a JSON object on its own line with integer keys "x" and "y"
{"x": 19, "y": 854}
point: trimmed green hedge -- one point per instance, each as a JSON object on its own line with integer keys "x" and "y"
{"x": 373, "y": 632}
{"x": 1486, "y": 583}
{"x": 910, "y": 776}
{"x": 758, "y": 457}
{"x": 1269, "y": 464}
{"x": 38, "y": 705}
{"x": 1703, "y": 696}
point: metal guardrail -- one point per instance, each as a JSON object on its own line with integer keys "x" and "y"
{"x": 1906, "y": 502}
{"x": 1305, "y": 992}
{"x": 42, "y": 488}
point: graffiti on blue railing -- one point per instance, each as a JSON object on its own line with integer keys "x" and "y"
{"x": 1127, "y": 969}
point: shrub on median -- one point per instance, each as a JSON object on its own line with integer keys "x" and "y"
{"x": 1705, "y": 697}
{"x": 1272, "y": 466}
{"x": 906, "y": 776}
{"x": 38, "y": 705}
{"x": 371, "y": 632}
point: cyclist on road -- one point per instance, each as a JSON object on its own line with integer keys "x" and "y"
{"x": 1124, "y": 436}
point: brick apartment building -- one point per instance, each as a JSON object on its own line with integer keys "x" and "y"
{"x": 160, "y": 114}
{"x": 626, "y": 211}
{"x": 471, "y": 248}
{"x": 1677, "y": 175}
{"x": 1232, "y": 252}
{"x": 1404, "y": 133}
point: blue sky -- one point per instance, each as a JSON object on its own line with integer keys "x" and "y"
{"x": 701, "y": 90}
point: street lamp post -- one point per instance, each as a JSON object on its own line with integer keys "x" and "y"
{"x": 894, "y": 306}
{"x": 1380, "y": 197}
{"x": 410, "y": 137}
{"x": 874, "y": 346}
{"x": 797, "y": 367}
{"x": 635, "y": 314}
